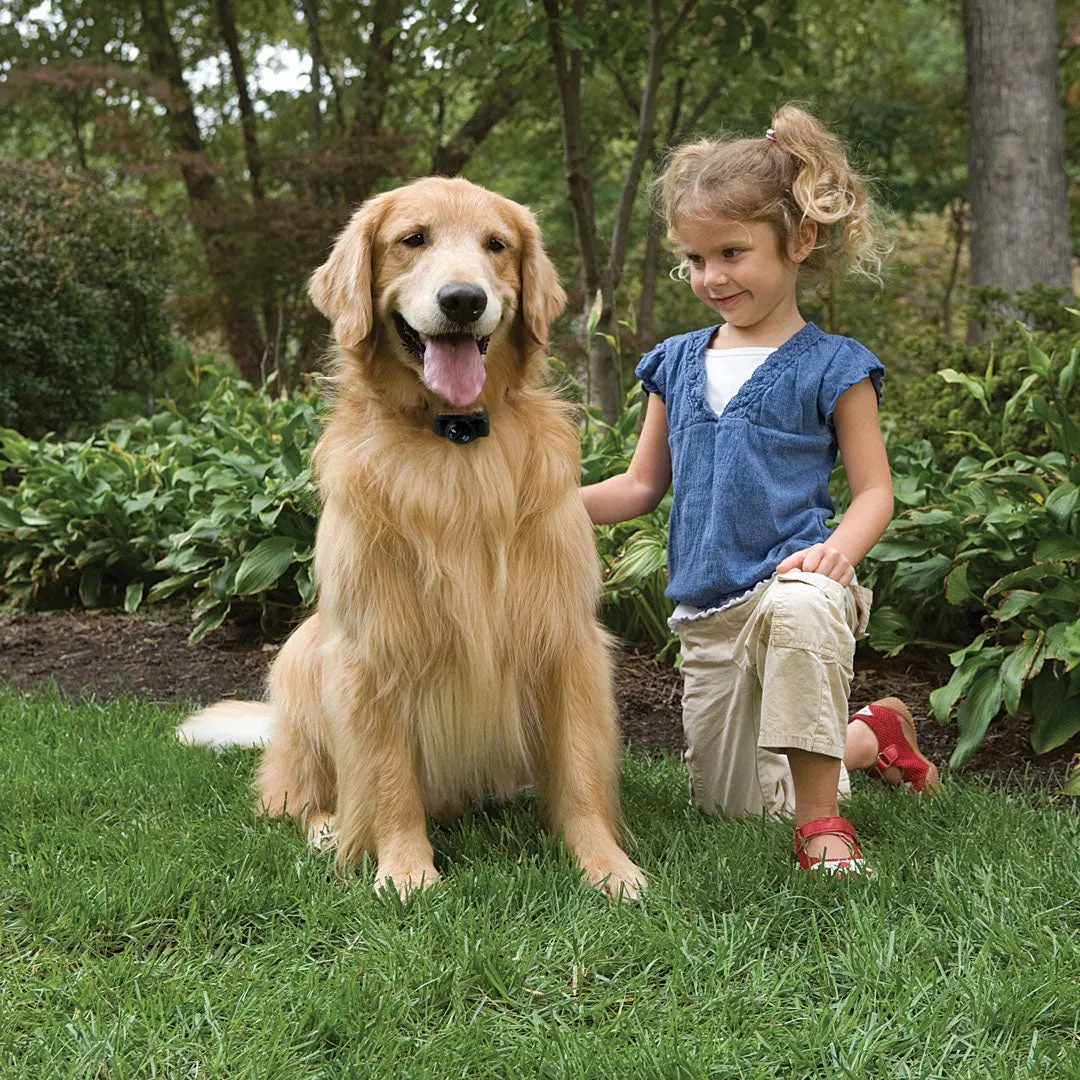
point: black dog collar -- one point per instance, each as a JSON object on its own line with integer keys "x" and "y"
{"x": 462, "y": 428}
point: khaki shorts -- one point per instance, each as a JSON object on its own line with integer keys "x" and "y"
{"x": 766, "y": 674}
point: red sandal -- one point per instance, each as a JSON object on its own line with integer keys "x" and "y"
{"x": 850, "y": 864}
{"x": 890, "y": 720}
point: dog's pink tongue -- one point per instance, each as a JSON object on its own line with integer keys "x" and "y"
{"x": 454, "y": 369}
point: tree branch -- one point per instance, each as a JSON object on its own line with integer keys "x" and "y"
{"x": 227, "y": 22}
{"x": 449, "y": 158}
{"x": 646, "y": 137}
{"x": 568, "y": 74}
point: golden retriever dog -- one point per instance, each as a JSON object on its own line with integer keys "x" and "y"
{"x": 455, "y": 655}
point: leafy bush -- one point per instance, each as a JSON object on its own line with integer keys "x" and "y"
{"x": 633, "y": 553}
{"x": 914, "y": 408}
{"x": 220, "y": 508}
{"x": 997, "y": 538}
{"x": 81, "y": 291}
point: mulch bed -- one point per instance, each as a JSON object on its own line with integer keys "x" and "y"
{"x": 105, "y": 654}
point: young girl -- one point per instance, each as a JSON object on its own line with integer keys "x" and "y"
{"x": 745, "y": 419}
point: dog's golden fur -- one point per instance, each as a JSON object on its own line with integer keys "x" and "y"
{"x": 455, "y": 655}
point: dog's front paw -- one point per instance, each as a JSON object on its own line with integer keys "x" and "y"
{"x": 405, "y": 878}
{"x": 618, "y": 879}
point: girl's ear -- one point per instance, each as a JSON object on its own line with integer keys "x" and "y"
{"x": 802, "y": 242}
{"x": 542, "y": 297}
{"x": 341, "y": 287}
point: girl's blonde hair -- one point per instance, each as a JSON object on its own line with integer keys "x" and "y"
{"x": 797, "y": 173}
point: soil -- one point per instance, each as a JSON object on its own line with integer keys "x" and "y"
{"x": 105, "y": 654}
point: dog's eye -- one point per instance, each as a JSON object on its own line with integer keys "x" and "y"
{"x": 416, "y": 239}
{"x": 495, "y": 244}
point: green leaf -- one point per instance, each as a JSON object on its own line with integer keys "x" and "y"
{"x": 1061, "y": 503}
{"x": 1025, "y": 386}
{"x": 1022, "y": 665}
{"x": 945, "y": 697}
{"x": 1038, "y": 361}
{"x": 922, "y": 577}
{"x": 212, "y": 618}
{"x": 981, "y": 705}
{"x": 90, "y": 585}
{"x": 1067, "y": 378}
{"x": 1057, "y": 549}
{"x": 305, "y": 585}
{"x": 264, "y": 565}
{"x": 170, "y": 585}
{"x": 1056, "y": 710}
{"x": 1072, "y": 643}
{"x": 936, "y": 516}
{"x": 975, "y": 645}
{"x": 133, "y": 596}
{"x": 889, "y": 630}
{"x": 1015, "y": 602}
{"x": 9, "y": 517}
{"x": 973, "y": 386}
{"x": 1073, "y": 786}
{"x": 594, "y": 314}
{"x": 896, "y": 550}
{"x": 957, "y": 589}
{"x": 1030, "y": 575}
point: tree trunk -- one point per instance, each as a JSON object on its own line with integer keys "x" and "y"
{"x": 958, "y": 228}
{"x": 227, "y": 22}
{"x": 371, "y": 99}
{"x": 677, "y": 132}
{"x": 270, "y": 309}
{"x": 243, "y": 337}
{"x": 1016, "y": 146}
{"x": 604, "y": 374}
{"x": 603, "y": 358}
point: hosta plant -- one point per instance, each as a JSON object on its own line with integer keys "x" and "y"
{"x": 218, "y": 508}
{"x": 998, "y": 538}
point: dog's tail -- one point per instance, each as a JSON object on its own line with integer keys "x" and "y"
{"x": 228, "y": 723}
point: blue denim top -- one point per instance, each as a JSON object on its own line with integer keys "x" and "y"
{"x": 750, "y": 486}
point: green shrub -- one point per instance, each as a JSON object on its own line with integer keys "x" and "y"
{"x": 914, "y": 407}
{"x": 633, "y": 553}
{"x": 993, "y": 545}
{"x": 81, "y": 291}
{"x": 218, "y": 508}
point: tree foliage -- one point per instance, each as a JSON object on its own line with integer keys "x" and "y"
{"x": 82, "y": 287}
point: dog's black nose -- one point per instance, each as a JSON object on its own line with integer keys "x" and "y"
{"x": 462, "y": 303}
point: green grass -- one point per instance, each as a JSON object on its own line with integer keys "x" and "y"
{"x": 153, "y": 926}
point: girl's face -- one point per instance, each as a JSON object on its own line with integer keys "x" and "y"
{"x": 738, "y": 270}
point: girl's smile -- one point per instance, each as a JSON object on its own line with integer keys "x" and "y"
{"x": 738, "y": 270}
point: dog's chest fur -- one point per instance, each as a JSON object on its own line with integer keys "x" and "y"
{"x": 460, "y": 573}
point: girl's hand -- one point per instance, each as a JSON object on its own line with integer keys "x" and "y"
{"x": 821, "y": 559}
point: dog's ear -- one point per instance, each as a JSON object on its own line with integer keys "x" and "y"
{"x": 542, "y": 297}
{"x": 341, "y": 287}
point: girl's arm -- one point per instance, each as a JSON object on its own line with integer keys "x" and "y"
{"x": 646, "y": 480}
{"x": 866, "y": 466}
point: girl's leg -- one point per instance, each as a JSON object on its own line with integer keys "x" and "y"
{"x": 861, "y": 751}
{"x": 800, "y": 644}
{"x": 729, "y": 772}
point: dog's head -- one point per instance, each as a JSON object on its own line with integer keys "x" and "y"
{"x": 440, "y": 269}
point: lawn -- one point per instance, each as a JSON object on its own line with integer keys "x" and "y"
{"x": 152, "y": 925}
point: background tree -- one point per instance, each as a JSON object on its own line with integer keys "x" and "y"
{"x": 156, "y": 92}
{"x": 82, "y": 286}
{"x": 1016, "y": 155}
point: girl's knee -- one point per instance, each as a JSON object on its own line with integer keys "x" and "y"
{"x": 809, "y": 611}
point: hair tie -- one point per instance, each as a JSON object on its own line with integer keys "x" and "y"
{"x": 771, "y": 135}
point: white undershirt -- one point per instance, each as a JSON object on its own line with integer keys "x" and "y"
{"x": 727, "y": 369}
{"x": 725, "y": 372}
